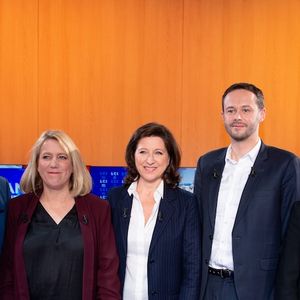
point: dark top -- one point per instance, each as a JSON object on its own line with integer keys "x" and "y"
{"x": 53, "y": 255}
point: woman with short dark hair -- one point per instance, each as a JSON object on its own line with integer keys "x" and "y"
{"x": 156, "y": 223}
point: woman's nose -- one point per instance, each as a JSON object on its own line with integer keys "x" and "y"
{"x": 150, "y": 159}
{"x": 53, "y": 162}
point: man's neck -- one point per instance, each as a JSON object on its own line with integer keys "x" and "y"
{"x": 240, "y": 148}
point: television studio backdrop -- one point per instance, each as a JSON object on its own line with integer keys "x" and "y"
{"x": 104, "y": 178}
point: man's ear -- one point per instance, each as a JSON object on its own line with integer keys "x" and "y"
{"x": 222, "y": 115}
{"x": 262, "y": 115}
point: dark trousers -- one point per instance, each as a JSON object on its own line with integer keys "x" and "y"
{"x": 218, "y": 288}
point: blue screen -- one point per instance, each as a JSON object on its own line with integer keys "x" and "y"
{"x": 13, "y": 174}
{"x": 104, "y": 178}
{"x": 187, "y": 178}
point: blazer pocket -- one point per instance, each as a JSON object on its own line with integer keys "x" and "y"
{"x": 269, "y": 264}
{"x": 172, "y": 297}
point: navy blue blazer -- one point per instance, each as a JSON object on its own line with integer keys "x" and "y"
{"x": 288, "y": 275}
{"x": 261, "y": 221}
{"x": 174, "y": 255}
{"x": 4, "y": 197}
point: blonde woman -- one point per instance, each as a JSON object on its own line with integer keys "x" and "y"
{"x": 59, "y": 242}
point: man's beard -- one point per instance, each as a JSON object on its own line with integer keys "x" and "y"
{"x": 239, "y": 137}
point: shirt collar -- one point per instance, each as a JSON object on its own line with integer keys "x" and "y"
{"x": 158, "y": 194}
{"x": 252, "y": 154}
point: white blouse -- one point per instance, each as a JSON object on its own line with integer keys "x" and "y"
{"x": 138, "y": 244}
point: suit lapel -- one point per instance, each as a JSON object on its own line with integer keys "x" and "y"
{"x": 86, "y": 227}
{"x": 23, "y": 222}
{"x": 215, "y": 176}
{"x": 252, "y": 182}
{"x": 124, "y": 212}
{"x": 166, "y": 210}
{"x": 24, "y": 218}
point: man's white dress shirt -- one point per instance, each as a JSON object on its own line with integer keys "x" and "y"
{"x": 234, "y": 178}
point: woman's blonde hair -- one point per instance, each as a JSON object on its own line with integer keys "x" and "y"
{"x": 80, "y": 180}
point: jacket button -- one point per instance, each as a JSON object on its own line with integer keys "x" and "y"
{"x": 206, "y": 261}
{"x": 151, "y": 261}
{"x": 153, "y": 293}
{"x": 210, "y": 237}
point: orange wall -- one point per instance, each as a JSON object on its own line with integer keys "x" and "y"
{"x": 99, "y": 68}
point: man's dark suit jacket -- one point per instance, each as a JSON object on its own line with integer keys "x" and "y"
{"x": 288, "y": 275}
{"x": 260, "y": 225}
{"x": 174, "y": 254}
{"x": 4, "y": 197}
{"x": 100, "y": 262}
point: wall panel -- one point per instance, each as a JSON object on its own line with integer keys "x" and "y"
{"x": 233, "y": 41}
{"x": 106, "y": 67}
{"x": 100, "y": 68}
{"x": 18, "y": 79}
